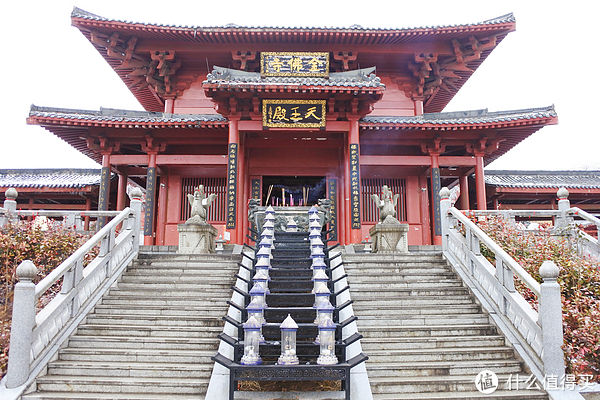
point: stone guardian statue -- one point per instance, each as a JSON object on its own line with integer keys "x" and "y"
{"x": 199, "y": 203}
{"x": 386, "y": 205}
{"x": 389, "y": 235}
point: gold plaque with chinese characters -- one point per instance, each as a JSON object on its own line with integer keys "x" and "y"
{"x": 293, "y": 113}
{"x": 294, "y": 64}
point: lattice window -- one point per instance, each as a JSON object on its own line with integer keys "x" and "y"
{"x": 216, "y": 212}
{"x": 369, "y": 186}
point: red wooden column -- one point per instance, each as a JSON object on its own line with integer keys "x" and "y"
{"x": 352, "y": 185}
{"x": 150, "y": 199}
{"x": 121, "y": 192}
{"x": 234, "y": 185}
{"x": 479, "y": 182}
{"x": 86, "y": 220}
{"x": 242, "y": 194}
{"x": 464, "y": 192}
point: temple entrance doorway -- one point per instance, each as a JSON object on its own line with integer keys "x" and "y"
{"x": 292, "y": 191}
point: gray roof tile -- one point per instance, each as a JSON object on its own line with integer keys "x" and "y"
{"x": 465, "y": 117}
{"x": 79, "y": 13}
{"x": 38, "y": 178}
{"x": 127, "y": 116}
{"x": 543, "y": 179}
{"x": 362, "y": 78}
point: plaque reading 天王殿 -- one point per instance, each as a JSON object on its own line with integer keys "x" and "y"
{"x": 293, "y": 113}
{"x": 294, "y": 64}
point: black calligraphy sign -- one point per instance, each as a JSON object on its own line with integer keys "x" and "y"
{"x": 293, "y": 113}
{"x": 294, "y": 64}
{"x": 103, "y": 194}
{"x": 232, "y": 185}
{"x": 149, "y": 210}
{"x": 255, "y": 188}
{"x": 435, "y": 187}
{"x": 332, "y": 195}
{"x": 354, "y": 186}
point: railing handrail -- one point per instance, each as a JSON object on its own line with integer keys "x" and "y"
{"x": 62, "y": 213}
{"x": 576, "y": 211}
{"x": 518, "y": 213}
{"x": 516, "y": 268}
{"x": 59, "y": 271}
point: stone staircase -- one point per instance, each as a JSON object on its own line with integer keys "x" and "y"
{"x": 424, "y": 333}
{"x": 151, "y": 337}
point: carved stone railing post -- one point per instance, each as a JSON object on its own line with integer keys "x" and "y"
{"x": 563, "y": 220}
{"x": 23, "y": 321}
{"x": 135, "y": 203}
{"x": 550, "y": 318}
{"x": 10, "y": 207}
{"x": 445, "y": 205}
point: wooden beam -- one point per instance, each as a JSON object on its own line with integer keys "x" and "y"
{"x": 170, "y": 159}
{"x": 447, "y": 161}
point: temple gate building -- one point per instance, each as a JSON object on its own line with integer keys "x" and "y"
{"x": 292, "y": 115}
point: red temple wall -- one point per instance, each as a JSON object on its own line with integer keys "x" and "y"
{"x": 193, "y": 100}
{"x": 394, "y": 101}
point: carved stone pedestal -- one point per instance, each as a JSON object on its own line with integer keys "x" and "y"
{"x": 196, "y": 238}
{"x": 391, "y": 236}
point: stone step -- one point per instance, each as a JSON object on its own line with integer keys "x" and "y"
{"x": 158, "y": 271}
{"x": 179, "y": 287}
{"x": 366, "y": 301}
{"x": 158, "y": 343}
{"x": 130, "y": 369}
{"x": 425, "y": 369}
{"x": 403, "y": 275}
{"x": 171, "y": 302}
{"x": 450, "y": 383}
{"x": 148, "y": 331}
{"x": 141, "y": 309}
{"x": 179, "y": 278}
{"x": 377, "y": 293}
{"x": 391, "y": 259}
{"x": 397, "y": 311}
{"x": 136, "y": 355}
{"x": 393, "y": 331}
{"x": 112, "y": 396}
{"x": 397, "y": 284}
{"x": 444, "y": 354}
{"x": 465, "y": 395}
{"x": 403, "y": 343}
{"x": 423, "y": 320}
{"x": 122, "y": 384}
{"x": 415, "y": 266}
{"x": 154, "y": 320}
{"x": 215, "y": 294}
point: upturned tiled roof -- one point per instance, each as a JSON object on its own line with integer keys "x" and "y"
{"x": 543, "y": 179}
{"x": 54, "y": 178}
{"x": 227, "y": 77}
{"x": 474, "y": 117}
{"x": 123, "y": 117}
{"x": 503, "y": 19}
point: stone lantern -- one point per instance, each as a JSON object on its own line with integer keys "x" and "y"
{"x": 261, "y": 277}
{"x": 320, "y": 278}
{"x": 288, "y": 342}
{"x": 314, "y": 224}
{"x": 265, "y": 242}
{"x": 263, "y": 263}
{"x": 267, "y": 234}
{"x": 317, "y": 242}
{"x": 263, "y": 252}
{"x": 324, "y": 310}
{"x": 314, "y": 233}
{"x": 318, "y": 264}
{"x": 256, "y": 309}
{"x": 259, "y": 293}
{"x": 269, "y": 211}
{"x": 322, "y": 295}
{"x": 252, "y": 339}
{"x": 317, "y": 252}
{"x": 327, "y": 343}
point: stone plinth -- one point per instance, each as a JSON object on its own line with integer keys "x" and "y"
{"x": 196, "y": 238}
{"x": 390, "y": 236}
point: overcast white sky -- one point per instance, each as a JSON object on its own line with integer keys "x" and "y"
{"x": 551, "y": 59}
